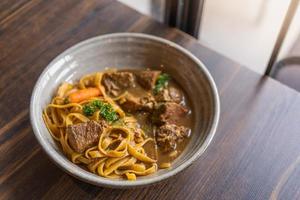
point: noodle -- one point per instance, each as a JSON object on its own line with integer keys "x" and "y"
{"x": 117, "y": 153}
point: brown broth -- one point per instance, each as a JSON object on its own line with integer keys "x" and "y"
{"x": 144, "y": 121}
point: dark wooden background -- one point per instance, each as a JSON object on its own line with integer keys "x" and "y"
{"x": 254, "y": 155}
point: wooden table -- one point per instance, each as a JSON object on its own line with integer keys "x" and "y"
{"x": 255, "y": 153}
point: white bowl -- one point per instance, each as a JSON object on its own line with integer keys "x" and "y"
{"x": 129, "y": 50}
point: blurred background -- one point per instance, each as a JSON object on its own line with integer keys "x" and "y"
{"x": 243, "y": 30}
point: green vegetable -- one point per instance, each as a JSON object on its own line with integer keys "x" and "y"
{"x": 66, "y": 101}
{"x": 108, "y": 113}
{"x": 88, "y": 110}
{"x": 106, "y": 110}
{"x": 161, "y": 82}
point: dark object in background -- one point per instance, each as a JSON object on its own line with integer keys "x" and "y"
{"x": 287, "y": 71}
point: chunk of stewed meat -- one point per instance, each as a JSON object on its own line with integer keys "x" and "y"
{"x": 131, "y": 103}
{"x": 147, "y": 78}
{"x": 169, "y": 135}
{"x": 169, "y": 94}
{"x": 84, "y": 135}
{"x": 169, "y": 112}
{"x": 116, "y": 82}
{"x": 148, "y": 102}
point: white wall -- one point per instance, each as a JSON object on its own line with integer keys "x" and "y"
{"x": 243, "y": 30}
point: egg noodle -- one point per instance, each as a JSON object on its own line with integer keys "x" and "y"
{"x": 119, "y": 152}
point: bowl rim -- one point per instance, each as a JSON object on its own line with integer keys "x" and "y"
{"x": 68, "y": 167}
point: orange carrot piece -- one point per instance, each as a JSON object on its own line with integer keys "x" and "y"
{"x": 83, "y": 94}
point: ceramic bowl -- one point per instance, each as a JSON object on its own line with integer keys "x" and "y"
{"x": 130, "y": 50}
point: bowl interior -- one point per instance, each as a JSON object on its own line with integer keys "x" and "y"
{"x": 129, "y": 51}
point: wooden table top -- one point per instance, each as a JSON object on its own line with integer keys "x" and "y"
{"x": 256, "y": 150}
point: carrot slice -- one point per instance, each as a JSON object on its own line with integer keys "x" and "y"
{"x": 83, "y": 94}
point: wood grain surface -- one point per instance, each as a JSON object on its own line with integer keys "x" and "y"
{"x": 254, "y": 155}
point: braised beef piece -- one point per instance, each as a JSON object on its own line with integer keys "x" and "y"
{"x": 168, "y": 135}
{"x": 169, "y": 112}
{"x": 84, "y": 135}
{"x": 148, "y": 102}
{"x": 116, "y": 82}
{"x": 131, "y": 103}
{"x": 147, "y": 78}
{"x": 169, "y": 94}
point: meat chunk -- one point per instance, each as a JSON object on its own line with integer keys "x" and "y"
{"x": 148, "y": 102}
{"x": 116, "y": 82}
{"x": 169, "y": 112}
{"x": 169, "y": 94}
{"x": 147, "y": 78}
{"x": 131, "y": 103}
{"x": 84, "y": 135}
{"x": 168, "y": 135}
{"x": 175, "y": 94}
